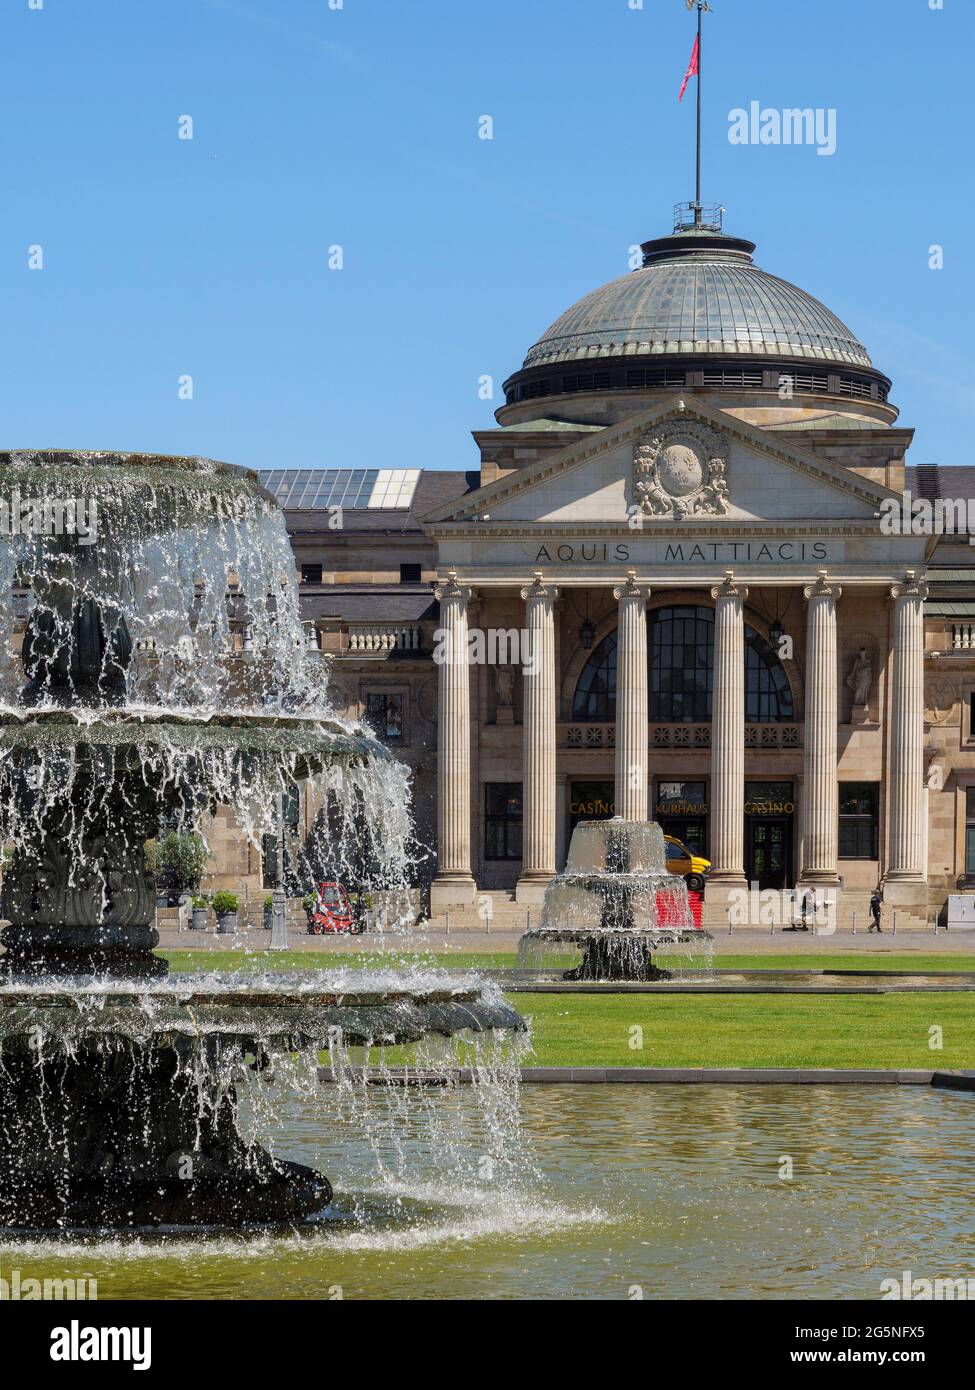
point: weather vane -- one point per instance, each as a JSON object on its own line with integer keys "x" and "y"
{"x": 694, "y": 70}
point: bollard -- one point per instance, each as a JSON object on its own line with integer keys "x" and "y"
{"x": 893, "y": 928}
{"x": 279, "y": 920}
{"x": 529, "y": 927}
{"x": 729, "y": 921}
{"x": 854, "y": 924}
{"x": 447, "y": 918}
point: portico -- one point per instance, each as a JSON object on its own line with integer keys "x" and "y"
{"x": 690, "y": 595}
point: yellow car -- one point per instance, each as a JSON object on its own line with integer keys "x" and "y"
{"x": 691, "y": 867}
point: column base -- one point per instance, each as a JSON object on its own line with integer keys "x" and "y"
{"x": 720, "y": 892}
{"x": 818, "y": 878}
{"x": 907, "y": 893}
{"x": 459, "y": 891}
{"x": 530, "y": 889}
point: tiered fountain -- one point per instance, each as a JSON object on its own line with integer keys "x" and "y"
{"x": 126, "y": 704}
{"x": 615, "y": 900}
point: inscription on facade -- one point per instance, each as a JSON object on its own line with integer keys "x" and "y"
{"x": 685, "y": 552}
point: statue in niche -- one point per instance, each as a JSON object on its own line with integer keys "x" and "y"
{"x": 860, "y": 678}
{"x": 504, "y": 679}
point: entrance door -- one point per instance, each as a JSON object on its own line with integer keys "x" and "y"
{"x": 690, "y": 830}
{"x": 767, "y": 850}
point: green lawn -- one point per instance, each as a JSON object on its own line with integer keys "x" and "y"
{"x": 768, "y": 1030}
{"x": 473, "y": 960}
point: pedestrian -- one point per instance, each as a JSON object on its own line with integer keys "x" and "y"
{"x": 876, "y": 902}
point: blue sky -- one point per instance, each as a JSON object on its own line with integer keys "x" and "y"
{"x": 358, "y": 127}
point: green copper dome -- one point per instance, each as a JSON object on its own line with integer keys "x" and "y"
{"x": 698, "y": 292}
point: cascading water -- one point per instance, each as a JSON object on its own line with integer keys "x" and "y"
{"x": 159, "y": 668}
{"x": 617, "y": 901}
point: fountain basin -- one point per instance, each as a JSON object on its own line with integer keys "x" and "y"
{"x": 617, "y": 901}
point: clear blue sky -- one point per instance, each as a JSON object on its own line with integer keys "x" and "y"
{"x": 358, "y": 126}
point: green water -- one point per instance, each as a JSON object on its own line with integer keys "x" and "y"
{"x": 672, "y": 1191}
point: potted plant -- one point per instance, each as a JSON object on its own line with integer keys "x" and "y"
{"x": 178, "y": 862}
{"x": 199, "y": 917}
{"x": 268, "y": 910}
{"x": 225, "y": 907}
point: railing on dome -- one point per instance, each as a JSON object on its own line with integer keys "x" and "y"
{"x": 698, "y": 217}
{"x": 575, "y": 734}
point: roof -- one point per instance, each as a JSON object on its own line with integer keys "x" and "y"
{"x": 433, "y": 488}
{"x": 368, "y": 603}
{"x": 933, "y": 480}
{"x": 696, "y": 295}
{"x": 319, "y": 488}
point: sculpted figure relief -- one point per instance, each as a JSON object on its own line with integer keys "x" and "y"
{"x": 504, "y": 679}
{"x": 680, "y": 469}
{"x": 860, "y": 678}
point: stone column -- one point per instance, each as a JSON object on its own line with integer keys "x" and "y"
{"x": 905, "y": 859}
{"x": 454, "y": 883}
{"x": 538, "y": 764}
{"x": 632, "y": 704}
{"x": 728, "y": 737}
{"x": 820, "y": 826}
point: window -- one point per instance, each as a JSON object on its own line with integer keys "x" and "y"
{"x": 970, "y": 830}
{"x": 595, "y": 697}
{"x": 311, "y": 574}
{"x": 384, "y": 714}
{"x": 411, "y": 574}
{"x": 681, "y": 649}
{"x": 502, "y": 820}
{"x": 859, "y": 819}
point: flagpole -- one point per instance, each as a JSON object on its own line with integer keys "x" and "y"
{"x": 697, "y": 185}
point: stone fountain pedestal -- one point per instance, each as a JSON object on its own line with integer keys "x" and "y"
{"x": 615, "y": 900}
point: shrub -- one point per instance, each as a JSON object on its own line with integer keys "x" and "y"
{"x": 178, "y": 862}
{"x": 199, "y": 901}
{"x": 224, "y": 903}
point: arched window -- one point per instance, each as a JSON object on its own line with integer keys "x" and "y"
{"x": 681, "y": 675}
{"x": 595, "y": 697}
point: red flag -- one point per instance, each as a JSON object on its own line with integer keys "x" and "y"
{"x": 692, "y": 70}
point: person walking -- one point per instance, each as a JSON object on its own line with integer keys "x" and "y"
{"x": 876, "y": 902}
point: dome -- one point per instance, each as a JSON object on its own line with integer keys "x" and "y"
{"x": 698, "y": 293}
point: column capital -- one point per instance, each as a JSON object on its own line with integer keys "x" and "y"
{"x": 452, "y": 588}
{"x": 728, "y": 588}
{"x": 912, "y": 587}
{"x": 538, "y": 590}
{"x": 822, "y": 589}
{"x": 631, "y": 589}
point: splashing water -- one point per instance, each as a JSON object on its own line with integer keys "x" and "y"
{"x": 616, "y": 900}
{"x": 152, "y": 666}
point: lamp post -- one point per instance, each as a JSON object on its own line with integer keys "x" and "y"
{"x": 279, "y": 903}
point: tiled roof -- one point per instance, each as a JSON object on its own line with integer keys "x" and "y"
{"x": 698, "y": 297}
{"x": 368, "y": 603}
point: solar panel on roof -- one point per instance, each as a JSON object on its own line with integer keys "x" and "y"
{"x": 316, "y": 489}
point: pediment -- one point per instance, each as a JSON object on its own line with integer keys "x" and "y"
{"x": 684, "y": 463}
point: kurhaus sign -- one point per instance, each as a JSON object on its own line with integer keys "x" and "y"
{"x": 771, "y": 552}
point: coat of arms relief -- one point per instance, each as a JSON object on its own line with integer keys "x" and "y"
{"x": 680, "y": 468}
